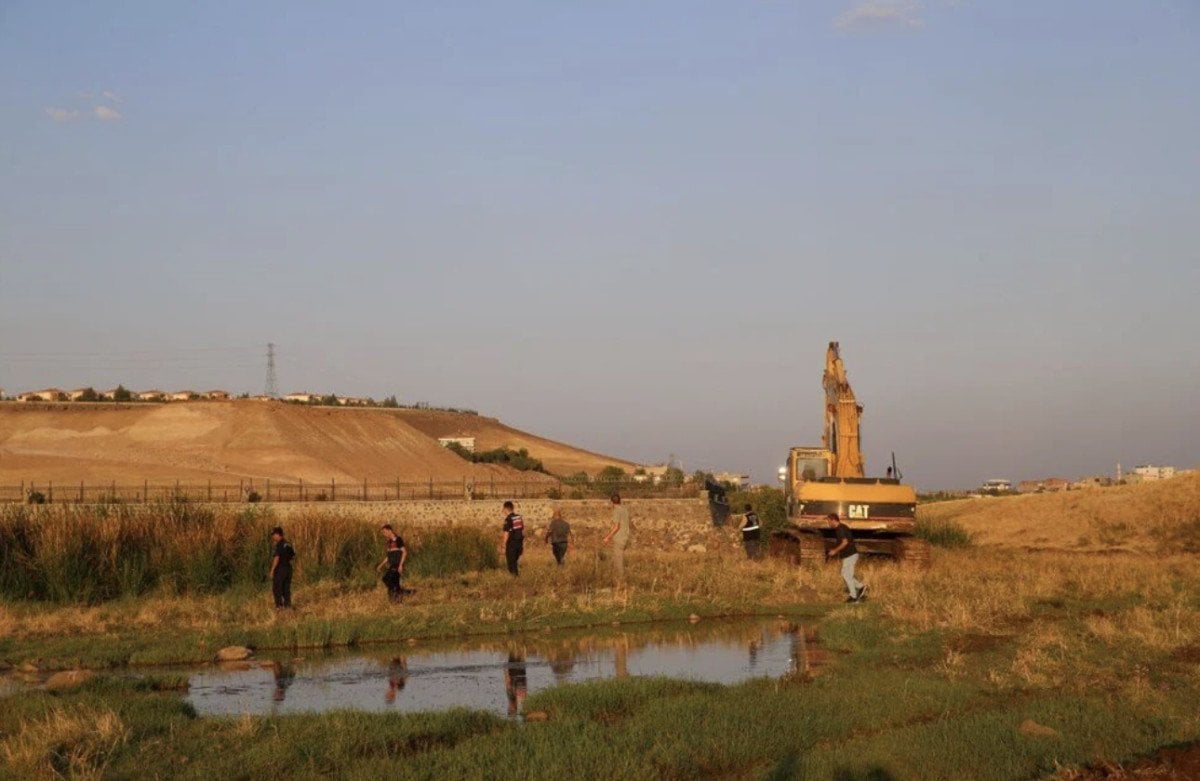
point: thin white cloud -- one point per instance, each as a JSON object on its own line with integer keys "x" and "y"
{"x": 111, "y": 96}
{"x": 877, "y": 14}
{"x": 62, "y": 114}
{"x": 106, "y": 113}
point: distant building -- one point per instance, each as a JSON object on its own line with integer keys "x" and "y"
{"x": 262, "y": 397}
{"x": 1047, "y": 485}
{"x": 78, "y": 393}
{"x": 651, "y": 474}
{"x": 355, "y": 401}
{"x": 466, "y": 443}
{"x": 183, "y": 395}
{"x": 107, "y": 395}
{"x": 732, "y": 478}
{"x": 1095, "y": 481}
{"x": 215, "y": 395}
{"x": 302, "y": 398}
{"x": 150, "y": 395}
{"x": 1148, "y": 473}
{"x": 996, "y": 486}
{"x": 47, "y": 394}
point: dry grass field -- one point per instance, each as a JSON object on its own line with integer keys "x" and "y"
{"x": 1148, "y": 517}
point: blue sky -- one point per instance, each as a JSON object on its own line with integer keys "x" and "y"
{"x": 632, "y": 226}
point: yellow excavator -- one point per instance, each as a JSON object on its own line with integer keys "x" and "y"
{"x": 881, "y": 511}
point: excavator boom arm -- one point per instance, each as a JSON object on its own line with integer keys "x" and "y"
{"x": 843, "y": 414}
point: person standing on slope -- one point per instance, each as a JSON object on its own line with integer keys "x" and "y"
{"x": 514, "y": 538}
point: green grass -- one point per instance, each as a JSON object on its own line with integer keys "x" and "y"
{"x": 883, "y": 709}
{"x": 943, "y": 533}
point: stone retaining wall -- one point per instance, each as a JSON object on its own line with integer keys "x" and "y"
{"x": 662, "y": 524}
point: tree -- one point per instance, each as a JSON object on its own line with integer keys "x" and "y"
{"x": 610, "y": 474}
{"x": 673, "y": 476}
{"x": 89, "y": 394}
{"x": 390, "y": 401}
{"x": 122, "y": 394}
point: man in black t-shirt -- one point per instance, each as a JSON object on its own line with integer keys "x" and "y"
{"x": 514, "y": 538}
{"x": 392, "y": 565}
{"x": 847, "y": 551}
{"x": 751, "y": 533}
{"x": 281, "y": 568}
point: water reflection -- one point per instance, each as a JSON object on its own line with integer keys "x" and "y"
{"x": 516, "y": 682}
{"x": 397, "y": 678}
{"x": 498, "y": 674}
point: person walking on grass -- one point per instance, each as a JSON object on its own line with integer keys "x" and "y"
{"x": 750, "y": 533}
{"x": 392, "y": 565}
{"x": 514, "y": 538}
{"x": 618, "y": 535}
{"x": 558, "y": 535}
{"x": 848, "y": 552}
{"x": 281, "y": 569}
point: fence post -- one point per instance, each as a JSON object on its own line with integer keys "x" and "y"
{"x": 397, "y": 489}
{"x": 302, "y": 489}
{"x": 210, "y": 491}
{"x": 50, "y": 492}
{"x": 364, "y": 489}
{"x": 332, "y": 489}
{"x": 81, "y": 492}
{"x": 431, "y": 486}
{"x": 268, "y": 489}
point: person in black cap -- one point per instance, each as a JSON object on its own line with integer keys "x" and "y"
{"x": 514, "y": 538}
{"x": 392, "y": 565}
{"x": 281, "y": 569}
{"x": 751, "y": 533}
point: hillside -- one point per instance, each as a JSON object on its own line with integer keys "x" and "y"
{"x": 490, "y": 433}
{"x": 1145, "y": 517}
{"x": 197, "y": 441}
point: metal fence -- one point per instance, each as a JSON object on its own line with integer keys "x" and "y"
{"x": 249, "y": 490}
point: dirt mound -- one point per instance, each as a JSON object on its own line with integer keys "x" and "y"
{"x": 1162, "y": 515}
{"x": 196, "y": 441}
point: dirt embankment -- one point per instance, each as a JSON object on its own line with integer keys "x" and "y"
{"x": 196, "y": 441}
{"x": 1149, "y": 517}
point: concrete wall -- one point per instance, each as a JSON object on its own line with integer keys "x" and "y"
{"x": 662, "y": 524}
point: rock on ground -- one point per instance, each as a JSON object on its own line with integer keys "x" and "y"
{"x": 234, "y": 653}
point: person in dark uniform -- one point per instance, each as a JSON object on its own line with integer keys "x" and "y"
{"x": 392, "y": 565}
{"x": 751, "y": 533}
{"x": 514, "y": 538}
{"x": 281, "y": 569}
{"x": 848, "y": 552}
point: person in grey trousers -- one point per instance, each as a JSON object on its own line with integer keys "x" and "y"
{"x": 848, "y": 552}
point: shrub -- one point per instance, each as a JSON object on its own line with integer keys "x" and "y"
{"x": 452, "y": 551}
{"x": 943, "y": 534}
{"x": 37, "y": 497}
{"x": 769, "y": 503}
{"x": 253, "y": 496}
